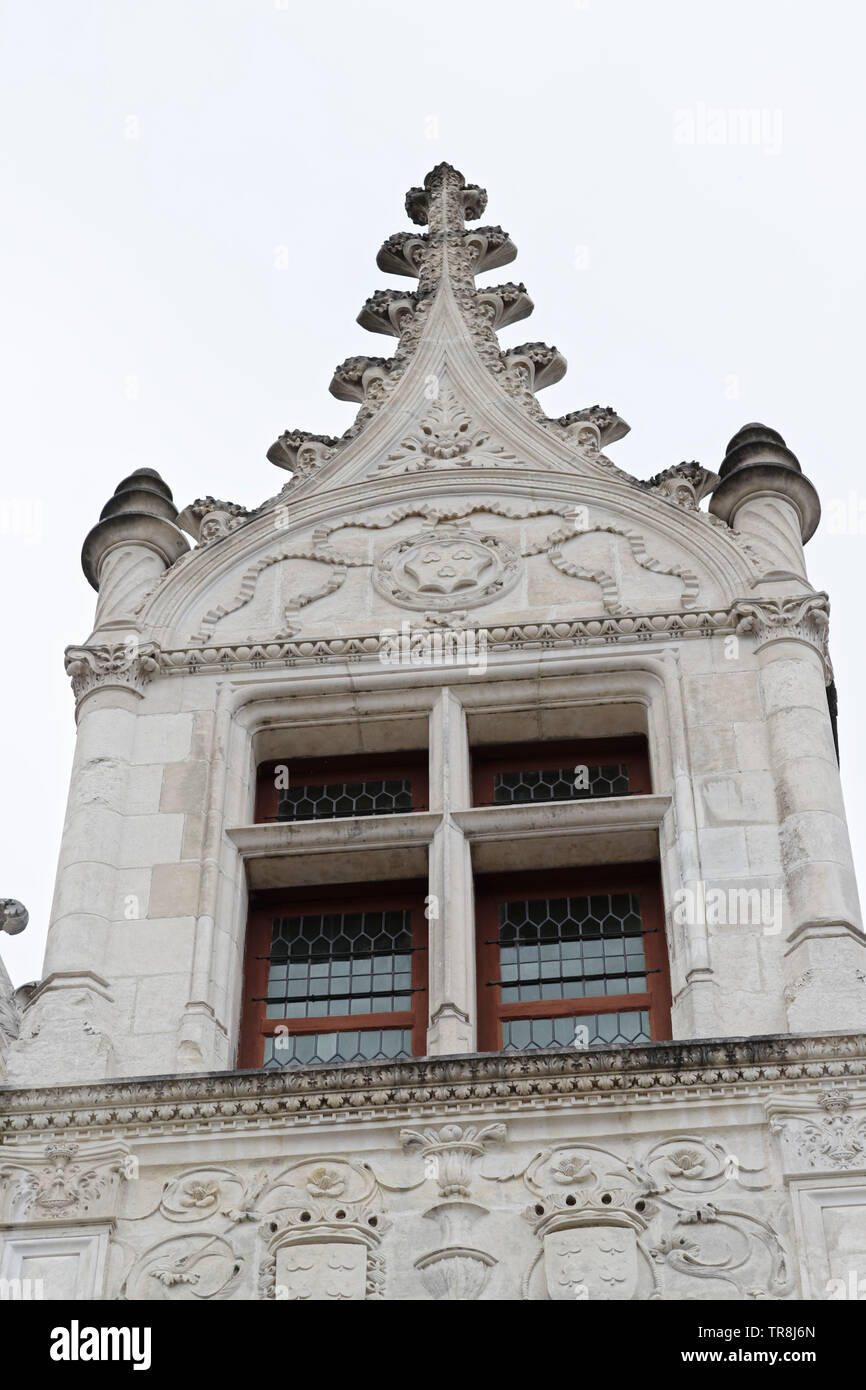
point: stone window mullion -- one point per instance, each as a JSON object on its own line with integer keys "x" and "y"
{"x": 451, "y": 913}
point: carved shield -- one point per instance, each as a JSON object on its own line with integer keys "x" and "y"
{"x": 591, "y": 1262}
{"x": 336, "y": 1271}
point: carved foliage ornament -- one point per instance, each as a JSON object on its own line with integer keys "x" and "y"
{"x": 64, "y": 1180}
{"x": 446, "y": 438}
{"x": 129, "y": 664}
{"x": 803, "y": 619}
{"x": 615, "y": 1229}
{"x": 830, "y": 1138}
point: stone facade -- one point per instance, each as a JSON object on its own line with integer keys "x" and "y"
{"x": 458, "y": 570}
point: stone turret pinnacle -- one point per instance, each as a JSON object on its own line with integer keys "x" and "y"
{"x": 444, "y": 259}
{"x": 764, "y": 493}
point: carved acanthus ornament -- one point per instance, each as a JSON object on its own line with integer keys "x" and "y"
{"x": 446, "y": 438}
{"x": 302, "y": 453}
{"x": 208, "y": 519}
{"x": 828, "y": 1137}
{"x": 129, "y": 665}
{"x": 803, "y": 619}
{"x": 686, "y": 484}
{"x": 65, "y": 1180}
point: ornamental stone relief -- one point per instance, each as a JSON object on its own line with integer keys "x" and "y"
{"x": 449, "y": 564}
{"x": 616, "y": 1229}
{"x": 827, "y": 1136}
{"x": 63, "y": 1181}
{"x": 444, "y": 565}
{"x": 446, "y": 438}
{"x": 682, "y": 1217}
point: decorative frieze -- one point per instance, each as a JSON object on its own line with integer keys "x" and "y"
{"x": 429, "y": 1087}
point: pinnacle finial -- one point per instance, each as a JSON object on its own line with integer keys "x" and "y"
{"x": 446, "y": 201}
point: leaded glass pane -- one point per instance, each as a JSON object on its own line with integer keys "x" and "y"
{"x": 335, "y": 964}
{"x": 571, "y": 948}
{"x": 583, "y": 1030}
{"x": 560, "y": 784}
{"x": 318, "y": 801}
{"x": 368, "y": 1045}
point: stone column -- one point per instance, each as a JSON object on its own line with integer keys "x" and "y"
{"x": 67, "y": 1028}
{"x": 825, "y": 951}
{"x": 452, "y": 1020}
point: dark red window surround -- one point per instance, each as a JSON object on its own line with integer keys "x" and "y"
{"x": 569, "y": 936}
{"x": 630, "y": 753}
{"x": 562, "y": 911}
{"x": 352, "y": 785}
{"x": 365, "y": 965}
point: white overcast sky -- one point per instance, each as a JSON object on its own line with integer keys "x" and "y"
{"x": 161, "y": 159}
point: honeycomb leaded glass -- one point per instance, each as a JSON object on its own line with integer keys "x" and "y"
{"x": 571, "y": 948}
{"x": 584, "y": 1030}
{"x": 337, "y": 963}
{"x": 319, "y": 801}
{"x": 560, "y": 784}
{"x": 369, "y": 1045}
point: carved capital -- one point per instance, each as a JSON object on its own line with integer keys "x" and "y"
{"x": 829, "y": 1136}
{"x": 63, "y": 1181}
{"x": 802, "y": 619}
{"x": 129, "y": 665}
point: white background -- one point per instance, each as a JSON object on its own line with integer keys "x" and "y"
{"x": 161, "y": 161}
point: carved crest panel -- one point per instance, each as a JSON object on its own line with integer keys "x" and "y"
{"x": 446, "y": 566}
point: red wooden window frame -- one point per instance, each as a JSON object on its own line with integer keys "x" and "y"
{"x": 363, "y": 767}
{"x": 541, "y": 757}
{"x": 491, "y": 890}
{"x": 352, "y": 897}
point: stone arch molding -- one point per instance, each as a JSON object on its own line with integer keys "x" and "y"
{"x": 451, "y": 562}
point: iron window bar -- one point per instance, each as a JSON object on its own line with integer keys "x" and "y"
{"x": 344, "y": 815}
{"x": 394, "y": 992}
{"x": 569, "y": 940}
{"x": 574, "y": 979}
{"x": 341, "y": 955}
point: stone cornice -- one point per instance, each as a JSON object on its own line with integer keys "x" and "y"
{"x": 583, "y": 632}
{"x": 678, "y": 1071}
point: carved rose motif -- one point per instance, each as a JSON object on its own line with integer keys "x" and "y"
{"x": 200, "y": 1194}
{"x": 571, "y": 1168}
{"x": 684, "y": 1163}
{"x": 324, "y": 1182}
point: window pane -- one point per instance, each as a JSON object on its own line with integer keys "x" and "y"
{"x": 340, "y": 963}
{"x": 371, "y": 1045}
{"x": 317, "y": 801}
{"x": 571, "y": 948}
{"x": 560, "y": 784}
{"x": 584, "y": 1030}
